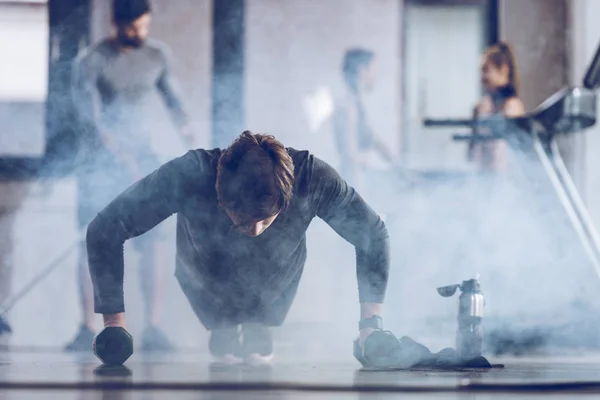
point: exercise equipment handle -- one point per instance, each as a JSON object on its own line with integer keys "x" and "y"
{"x": 448, "y": 122}
{"x": 493, "y": 121}
{"x": 475, "y": 138}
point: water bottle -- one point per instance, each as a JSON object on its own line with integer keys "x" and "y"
{"x": 469, "y": 335}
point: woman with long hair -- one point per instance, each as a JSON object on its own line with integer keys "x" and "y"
{"x": 486, "y": 210}
{"x": 500, "y": 82}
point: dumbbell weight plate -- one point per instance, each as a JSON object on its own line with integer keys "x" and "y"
{"x": 381, "y": 349}
{"x": 114, "y": 345}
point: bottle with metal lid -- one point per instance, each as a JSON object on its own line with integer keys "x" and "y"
{"x": 469, "y": 335}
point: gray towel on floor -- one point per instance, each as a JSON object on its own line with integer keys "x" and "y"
{"x": 405, "y": 353}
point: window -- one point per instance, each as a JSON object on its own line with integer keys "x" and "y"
{"x": 24, "y": 49}
{"x": 23, "y": 76}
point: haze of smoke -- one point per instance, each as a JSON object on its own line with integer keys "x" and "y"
{"x": 532, "y": 268}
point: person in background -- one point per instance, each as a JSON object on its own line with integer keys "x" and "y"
{"x": 358, "y": 146}
{"x": 114, "y": 82}
{"x": 13, "y": 194}
{"x": 500, "y": 83}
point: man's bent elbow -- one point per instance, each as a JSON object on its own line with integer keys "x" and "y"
{"x": 96, "y": 232}
{"x": 380, "y": 230}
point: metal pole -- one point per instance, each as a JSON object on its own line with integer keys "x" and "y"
{"x": 569, "y": 198}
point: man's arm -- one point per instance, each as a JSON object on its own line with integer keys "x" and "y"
{"x": 137, "y": 210}
{"x": 342, "y": 208}
{"x": 169, "y": 89}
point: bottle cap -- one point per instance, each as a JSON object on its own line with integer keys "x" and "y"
{"x": 472, "y": 285}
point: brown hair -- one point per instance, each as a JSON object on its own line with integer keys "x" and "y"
{"x": 502, "y": 54}
{"x": 127, "y": 11}
{"x": 255, "y": 177}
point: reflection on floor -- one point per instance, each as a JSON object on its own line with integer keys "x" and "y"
{"x": 189, "y": 375}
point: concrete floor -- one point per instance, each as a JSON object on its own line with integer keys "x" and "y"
{"x": 189, "y": 375}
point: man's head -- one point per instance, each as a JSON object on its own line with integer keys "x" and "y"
{"x": 255, "y": 179}
{"x": 357, "y": 69}
{"x": 132, "y": 21}
{"x": 499, "y": 67}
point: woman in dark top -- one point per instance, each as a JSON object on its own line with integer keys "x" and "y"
{"x": 501, "y": 96}
{"x": 488, "y": 203}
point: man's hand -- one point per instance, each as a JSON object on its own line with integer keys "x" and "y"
{"x": 111, "y": 320}
{"x": 114, "y": 320}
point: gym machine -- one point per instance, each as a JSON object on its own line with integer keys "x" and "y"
{"x": 568, "y": 111}
{"x": 533, "y": 138}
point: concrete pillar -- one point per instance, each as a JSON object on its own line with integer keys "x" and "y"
{"x": 537, "y": 31}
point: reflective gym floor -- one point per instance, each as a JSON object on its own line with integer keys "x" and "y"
{"x": 189, "y": 375}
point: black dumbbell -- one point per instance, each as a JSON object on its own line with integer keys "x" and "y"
{"x": 113, "y": 346}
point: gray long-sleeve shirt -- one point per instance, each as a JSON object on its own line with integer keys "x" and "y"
{"x": 115, "y": 92}
{"x": 214, "y": 257}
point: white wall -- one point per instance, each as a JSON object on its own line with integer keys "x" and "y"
{"x": 24, "y": 49}
{"x": 23, "y": 78}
